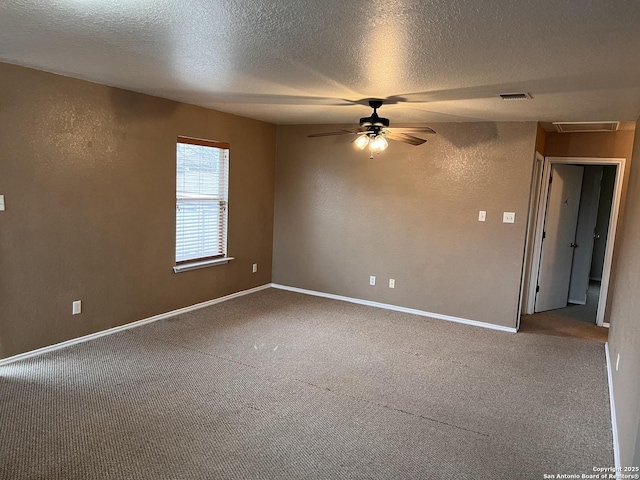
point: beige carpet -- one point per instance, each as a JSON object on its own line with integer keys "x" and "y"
{"x": 558, "y": 325}
{"x": 277, "y": 385}
{"x": 576, "y": 321}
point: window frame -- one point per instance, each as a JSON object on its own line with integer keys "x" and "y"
{"x": 200, "y": 262}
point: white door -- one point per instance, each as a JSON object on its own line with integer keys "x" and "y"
{"x": 560, "y": 233}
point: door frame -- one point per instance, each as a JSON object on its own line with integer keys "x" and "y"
{"x": 537, "y": 222}
{"x": 532, "y": 215}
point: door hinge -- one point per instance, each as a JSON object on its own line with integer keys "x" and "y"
{"x": 550, "y": 179}
{"x": 544, "y": 235}
{"x": 537, "y": 288}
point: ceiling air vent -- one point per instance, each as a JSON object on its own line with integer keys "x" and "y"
{"x": 515, "y": 96}
{"x": 571, "y": 127}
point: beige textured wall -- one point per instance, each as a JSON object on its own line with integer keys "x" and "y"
{"x": 595, "y": 144}
{"x": 88, "y": 173}
{"x": 624, "y": 336}
{"x": 409, "y": 214}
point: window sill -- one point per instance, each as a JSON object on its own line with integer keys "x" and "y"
{"x": 185, "y": 267}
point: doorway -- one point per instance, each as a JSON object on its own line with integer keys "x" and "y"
{"x": 573, "y": 232}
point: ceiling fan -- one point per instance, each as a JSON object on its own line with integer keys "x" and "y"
{"x": 374, "y": 132}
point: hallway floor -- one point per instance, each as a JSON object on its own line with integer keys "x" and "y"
{"x": 573, "y": 321}
{"x": 585, "y": 313}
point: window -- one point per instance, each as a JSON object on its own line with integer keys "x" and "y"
{"x": 202, "y": 178}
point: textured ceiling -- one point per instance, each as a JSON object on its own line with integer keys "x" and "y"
{"x": 297, "y": 61}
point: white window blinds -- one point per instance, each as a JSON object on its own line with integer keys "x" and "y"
{"x": 202, "y": 178}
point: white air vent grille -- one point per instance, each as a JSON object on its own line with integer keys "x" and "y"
{"x": 515, "y": 96}
{"x": 574, "y": 127}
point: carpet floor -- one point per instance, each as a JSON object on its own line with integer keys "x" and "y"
{"x": 279, "y": 385}
{"x": 577, "y": 321}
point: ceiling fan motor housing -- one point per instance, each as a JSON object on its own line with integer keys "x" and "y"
{"x": 374, "y": 120}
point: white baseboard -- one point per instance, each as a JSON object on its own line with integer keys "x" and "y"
{"x": 396, "y": 308}
{"x": 614, "y": 422}
{"x": 139, "y": 323}
{"x": 155, "y": 318}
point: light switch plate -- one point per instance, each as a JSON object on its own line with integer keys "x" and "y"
{"x": 77, "y": 307}
{"x": 509, "y": 217}
{"x": 1, "y": 202}
{"x": 482, "y": 216}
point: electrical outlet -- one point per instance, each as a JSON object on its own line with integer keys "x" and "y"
{"x": 509, "y": 217}
{"x": 482, "y": 216}
{"x": 392, "y": 283}
{"x": 77, "y": 307}
{"x": 372, "y": 280}
{"x": 255, "y": 267}
{"x": 1, "y": 202}
{"x": 618, "y": 362}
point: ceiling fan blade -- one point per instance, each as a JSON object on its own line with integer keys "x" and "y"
{"x": 411, "y": 130}
{"x": 272, "y": 99}
{"x": 328, "y": 134}
{"x": 404, "y": 138}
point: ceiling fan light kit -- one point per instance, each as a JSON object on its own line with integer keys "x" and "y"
{"x": 378, "y": 143}
{"x": 374, "y": 132}
{"x": 362, "y": 141}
